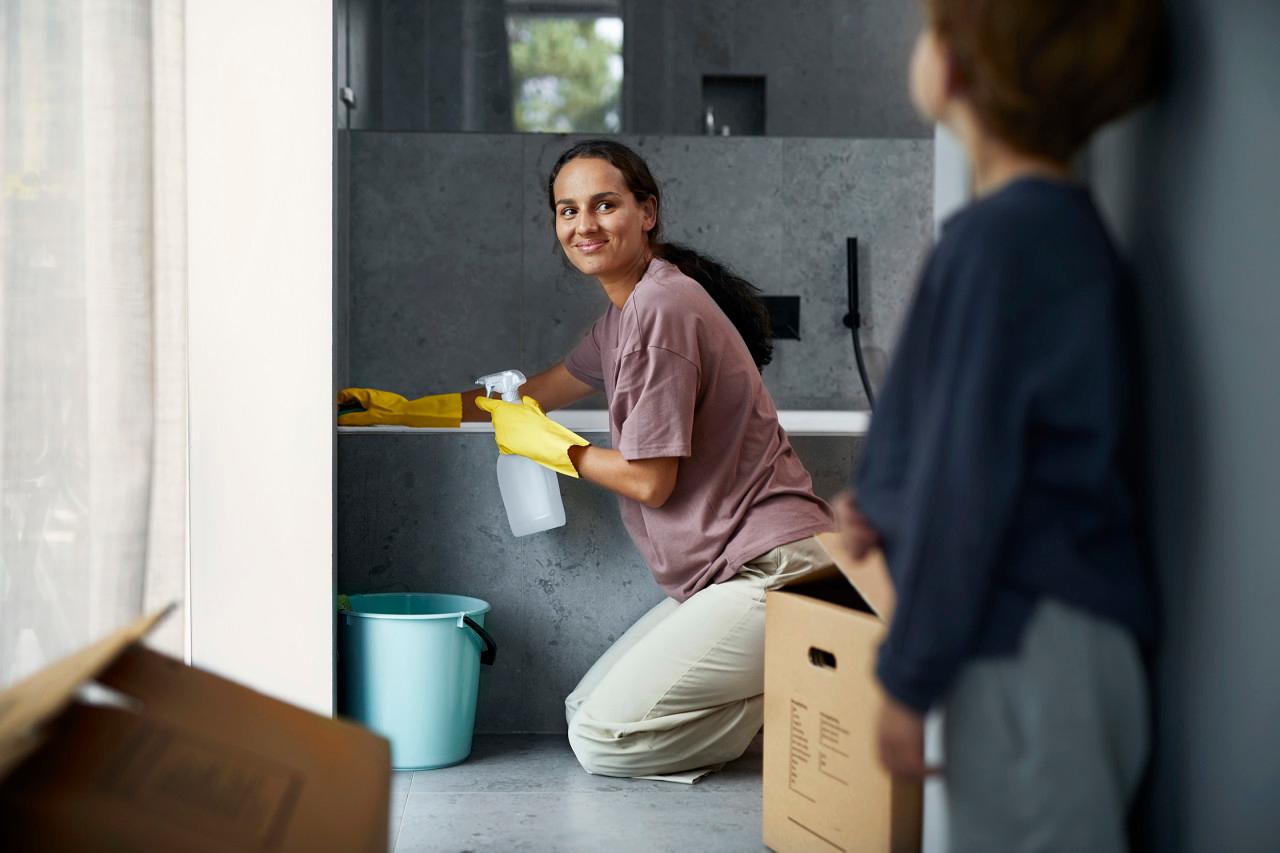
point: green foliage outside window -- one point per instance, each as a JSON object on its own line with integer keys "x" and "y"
{"x": 566, "y": 73}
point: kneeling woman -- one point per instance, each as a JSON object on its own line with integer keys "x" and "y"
{"x": 711, "y": 491}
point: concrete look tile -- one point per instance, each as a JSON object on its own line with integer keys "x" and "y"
{"x": 401, "y": 781}
{"x": 435, "y": 257}
{"x": 673, "y": 44}
{"x": 545, "y": 763}
{"x": 393, "y": 828}
{"x": 879, "y": 191}
{"x": 867, "y": 77}
{"x": 765, "y": 36}
{"x": 719, "y": 196}
{"x": 829, "y": 460}
{"x": 577, "y": 821}
{"x": 423, "y": 514}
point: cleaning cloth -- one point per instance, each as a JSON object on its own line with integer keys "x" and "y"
{"x": 369, "y": 406}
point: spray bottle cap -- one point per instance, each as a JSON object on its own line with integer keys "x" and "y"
{"x": 506, "y": 382}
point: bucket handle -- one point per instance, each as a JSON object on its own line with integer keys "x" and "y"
{"x": 490, "y": 652}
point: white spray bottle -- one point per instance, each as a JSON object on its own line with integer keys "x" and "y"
{"x": 530, "y": 492}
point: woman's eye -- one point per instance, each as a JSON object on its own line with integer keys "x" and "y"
{"x": 604, "y": 205}
{"x": 567, "y": 212}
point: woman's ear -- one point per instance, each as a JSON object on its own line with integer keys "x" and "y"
{"x": 650, "y": 209}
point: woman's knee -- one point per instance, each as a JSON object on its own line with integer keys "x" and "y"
{"x": 572, "y": 704}
{"x": 600, "y": 751}
{"x": 655, "y": 745}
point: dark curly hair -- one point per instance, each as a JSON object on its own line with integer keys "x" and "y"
{"x": 738, "y": 298}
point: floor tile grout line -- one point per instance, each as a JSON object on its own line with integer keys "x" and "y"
{"x": 395, "y": 842}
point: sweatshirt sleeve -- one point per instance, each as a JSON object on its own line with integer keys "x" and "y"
{"x": 960, "y": 484}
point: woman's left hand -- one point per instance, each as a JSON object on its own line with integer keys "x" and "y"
{"x": 523, "y": 429}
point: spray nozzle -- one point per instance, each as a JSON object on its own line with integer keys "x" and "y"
{"x": 507, "y": 383}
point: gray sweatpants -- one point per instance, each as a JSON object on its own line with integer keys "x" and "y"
{"x": 1044, "y": 750}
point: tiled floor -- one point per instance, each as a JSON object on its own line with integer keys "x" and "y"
{"x": 527, "y": 793}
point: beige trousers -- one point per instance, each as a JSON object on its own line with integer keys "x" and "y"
{"x": 683, "y": 687}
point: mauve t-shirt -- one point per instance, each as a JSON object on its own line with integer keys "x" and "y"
{"x": 681, "y": 382}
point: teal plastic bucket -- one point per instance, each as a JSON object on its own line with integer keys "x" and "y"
{"x": 409, "y": 667}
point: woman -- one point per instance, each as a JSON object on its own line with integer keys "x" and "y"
{"x": 711, "y": 491}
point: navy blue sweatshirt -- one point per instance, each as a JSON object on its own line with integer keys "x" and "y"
{"x": 998, "y": 465}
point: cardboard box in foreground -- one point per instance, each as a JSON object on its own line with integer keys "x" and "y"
{"x": 183, "y": 760}
{"x": 824, "y": 788}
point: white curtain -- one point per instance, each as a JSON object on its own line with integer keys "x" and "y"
{"x": 92, "y": 324}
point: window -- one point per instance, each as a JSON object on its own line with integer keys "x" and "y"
{"x": 566, "y": 69}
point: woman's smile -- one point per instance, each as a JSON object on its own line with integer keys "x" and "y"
{"x": 589, "y": 246}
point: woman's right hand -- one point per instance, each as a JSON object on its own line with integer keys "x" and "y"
{"x": 370, "y": 406}
{"x": 856, "y": 533}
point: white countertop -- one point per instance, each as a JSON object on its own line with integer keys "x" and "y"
{"x": 794, "y": 421}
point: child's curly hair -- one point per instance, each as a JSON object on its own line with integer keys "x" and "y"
{"x": 1043, "y": 75}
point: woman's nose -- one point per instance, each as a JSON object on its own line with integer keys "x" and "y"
{"x": 587, "y": 223}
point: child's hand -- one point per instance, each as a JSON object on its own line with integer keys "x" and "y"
{"x": 901, "y": 741}
{"x": 856, "y": 533}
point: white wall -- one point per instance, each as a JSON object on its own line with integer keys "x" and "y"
{"x": 951, "y": 179}
{"x": 259, "y": 142}
{"x": 952, "y": 190}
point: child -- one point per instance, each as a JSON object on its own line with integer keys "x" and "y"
{"x": 994, "y": 473}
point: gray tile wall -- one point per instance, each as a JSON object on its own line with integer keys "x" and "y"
{"x": 454, "y": 271}
{"x": 832, "y": 67}
{"x": 422, "y": 513}
{"x": 445, "y": 287}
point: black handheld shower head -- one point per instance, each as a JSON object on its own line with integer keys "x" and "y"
{"x": 853, "y": 320}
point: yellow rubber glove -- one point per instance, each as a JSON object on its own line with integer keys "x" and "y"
{"x": 523, "y": 429}
{"x": 384, "y": 407}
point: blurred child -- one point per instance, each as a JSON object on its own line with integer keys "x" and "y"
{"x": 995, "y": 473}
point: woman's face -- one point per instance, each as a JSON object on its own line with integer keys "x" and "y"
{"x": 602, "y": 228}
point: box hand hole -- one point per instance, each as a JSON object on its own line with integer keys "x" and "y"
{"x": 821, "y": 658}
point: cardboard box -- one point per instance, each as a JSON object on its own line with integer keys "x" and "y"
{"x": 179, "y": 759}
{"x": 824, "y": 788}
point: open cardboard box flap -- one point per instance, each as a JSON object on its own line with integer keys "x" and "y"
{"x": 180, "y": 759}
{"x": 26, "y": 706}
{"x": 869, "y": 576}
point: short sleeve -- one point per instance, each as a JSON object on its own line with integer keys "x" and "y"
{"x": 654, "y": 401}
{"x": 584, "y": 361}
